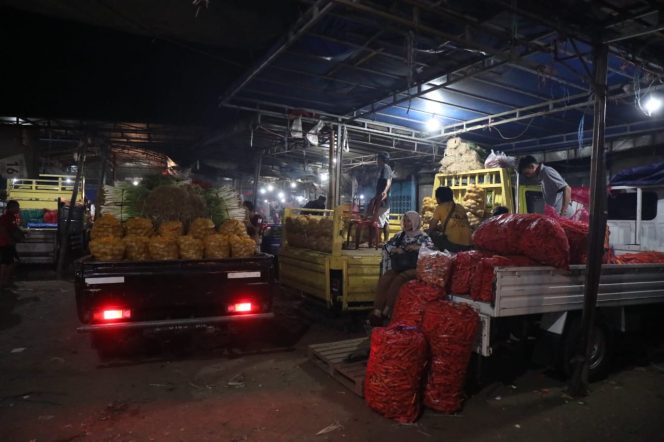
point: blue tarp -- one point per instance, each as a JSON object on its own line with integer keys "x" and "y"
{"x": 640, "y": 176}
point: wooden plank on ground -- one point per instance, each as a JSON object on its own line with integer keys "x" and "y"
{"x": 331, "y": 358}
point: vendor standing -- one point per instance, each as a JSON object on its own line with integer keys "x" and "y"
{"x": 555, "y": 189}
{"x": 380, "y": 204}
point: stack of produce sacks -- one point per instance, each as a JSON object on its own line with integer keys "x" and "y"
{"x": 233, "y": 227}
{"x": 428, "y": 207}
{"x": 474, "y": 201}
{"x": 242, "y": 246}
{"x": 190, "y": 247}
{"x": 319, "y": 234}
{"x": 106, "y": 243}
{"x": 461, "y": 156}
{"x": 295, "y": 228}
{"x": 413, "y": 297}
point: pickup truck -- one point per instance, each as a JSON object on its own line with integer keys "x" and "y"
{"x": 118, "y": 298}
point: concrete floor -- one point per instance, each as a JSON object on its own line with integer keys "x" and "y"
{"x": 55, "y": 388}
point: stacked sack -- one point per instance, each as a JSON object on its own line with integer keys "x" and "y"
{"x": 461, "y": 156}
{"x": 428, "y": 207}
{"x": 136, "y": 247}
{"x": 106, "y": 243}
{"x": 139, "y": 226}
{"x": 217, "y": 246}
{"x": 200, "y": 228}
{"x": 474, "y": 201}
{"x": 319, "y": 234}
{"x": 164, "y": 248}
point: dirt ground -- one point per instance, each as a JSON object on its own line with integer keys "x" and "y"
{"x": 260, "y": 386}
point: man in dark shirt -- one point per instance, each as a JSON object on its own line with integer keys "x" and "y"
{"x": 9, "y": 233}
{"x": 316, "y": 204}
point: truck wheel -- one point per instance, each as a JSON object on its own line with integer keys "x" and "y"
{"x": 600, "y": 353}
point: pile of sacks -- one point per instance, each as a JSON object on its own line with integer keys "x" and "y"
{"x": 474, "y": 201}
{"x": 461, "y": 156}
{"x": 138, "y": 240}
{"x": 428, "y": 207}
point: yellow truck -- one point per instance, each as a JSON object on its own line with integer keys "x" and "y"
{"x": 315, "y": 261}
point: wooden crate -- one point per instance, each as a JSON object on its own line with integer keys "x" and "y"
{"x": 331, "y": 357}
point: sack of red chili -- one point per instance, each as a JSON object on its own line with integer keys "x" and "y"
{"x": 413, "y": 296}
{"x": 639, "y": 258}
{"x": 536, "y": 236}
{"x": 434, "y": 267}
{"x": 577, "y": 237}
{"x": 481, "y": 287}
{"x": 393, "y": 380}
{"x": 450, "y": 330}
{"x": 463, "y": 270}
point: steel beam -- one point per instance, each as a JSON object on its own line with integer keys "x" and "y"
{"x": 579, "y": 382}
{"x": 301, "y": 26}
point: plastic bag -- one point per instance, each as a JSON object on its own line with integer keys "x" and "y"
{"x": 434, "y": 267}
{"x": 450, "y": 330}
{"x": 499, "y": 159}
{"x": 394, "y": 372}
{"x": 413, "y": 297}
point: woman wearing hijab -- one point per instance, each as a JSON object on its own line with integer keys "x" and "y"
{"x": 400, "y": 251}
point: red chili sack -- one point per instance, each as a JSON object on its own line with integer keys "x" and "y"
{"x": 393, "y": 380}
{"x": 639, "y": 258}
{"x": 481, "y": 288}
{"x": 463, "y": 270}
{"x": 536, "y": 236}
{"x": 577, "y": 237}
{"x": 434, "y": 267}
{"x": 413, "y": 296}
{"x": 450, "y": 330}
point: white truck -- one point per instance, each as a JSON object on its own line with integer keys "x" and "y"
{"x": 551, "y": 300}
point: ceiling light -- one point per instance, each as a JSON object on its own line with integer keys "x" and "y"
{"x": 262, "y": 191}
{"x": 265, "y": 201}
{"x": 293, "y": 185}
{"x": 652, "y": 105}
{"x": 282, "y": 200}
{"x": 432, "y": 125}
{"x": 281, "y": 195}
{"x": 324, "y": 176}
{"x": 361, "y": 197}
{"x": 135, "y": 182}
{"x": 270, "y": 187}
{"x": 334, "y": 160}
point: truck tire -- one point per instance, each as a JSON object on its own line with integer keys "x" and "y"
{"x": 600, "y": 354}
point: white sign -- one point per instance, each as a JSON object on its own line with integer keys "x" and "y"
{"x": 242, "y": 275}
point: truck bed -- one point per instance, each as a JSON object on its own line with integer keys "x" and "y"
{"x": 535, "y": 290}
{"x": 169, "y": 293}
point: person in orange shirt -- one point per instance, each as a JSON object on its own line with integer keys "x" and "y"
{"x": 9, "y": 234}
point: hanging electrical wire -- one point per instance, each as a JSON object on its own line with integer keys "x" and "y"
{"x": 516, "y": 136}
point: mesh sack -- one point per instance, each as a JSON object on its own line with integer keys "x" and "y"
{"x": 450, "y": 330}
{"x": 190, "y": 247}
{"x": 233, "y": 227}
{"x": 163, "y": 248}
{"x": 106, "y": 226}
{"x": 171, "y": 228}
{"x": 107, "y": 248}
{"x": 139, "y": 226}
{"x": 136, "y": 247}
{"x": 201, "y": 227}
{"x": 217, "y": 246}
{"x": 434, "y": 267}
{"x": 463, "y": 269}
{"x": 242, "y": 246}
{"x": 392, "y": 384}
{"x": 413, "y": 297}
{"x": 536, "y": 236}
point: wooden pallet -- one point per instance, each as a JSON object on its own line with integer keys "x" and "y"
{"x": 331, "y": 357}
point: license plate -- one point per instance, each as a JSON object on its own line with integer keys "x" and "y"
{"x": 243, "y": 275}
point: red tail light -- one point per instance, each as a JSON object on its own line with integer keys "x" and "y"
{"x": 112, "y": 314}
{"x": 241, "y": 307}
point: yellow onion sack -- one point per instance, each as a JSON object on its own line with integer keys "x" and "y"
{"x": 217, "y": 246}
{"x": 233, "y": 227}
{"x": 242, "y": 246}
{"x": 106, "y": 226}
{"x": 201, "y": 227}
{"x": 107, "y": 248}
{"x": 190, "y": 247}
{"x": 171, "y": 228}
{"x": 163, "y": 248}
{"x": 136, "y": 247}
{"x": 139, "y": 226}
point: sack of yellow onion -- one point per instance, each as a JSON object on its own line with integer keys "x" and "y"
{"x": 136, "y": 247}
{"x": 107, "y": 248}
{"x": 201, "y": 227}
{"x": 217, "y": 246}
{"x": 190, "y": 247}
{"x": 163, "y": 248}
{"x": 242, "y": 246}
{"x": 171, "y": 228}
{"x": 139, "y": 226}
{"x": 233, "y": 227}
{"x": 106, "y": 226}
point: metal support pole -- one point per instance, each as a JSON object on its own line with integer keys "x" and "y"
{"x": 340, "y": 149}
{"x": 579, "y": 382}
{"x": 331, "y": 174}
{"x": 102, "y": 177}
{"x": 64, "y": 239}
{"x": 257, "y": 177}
